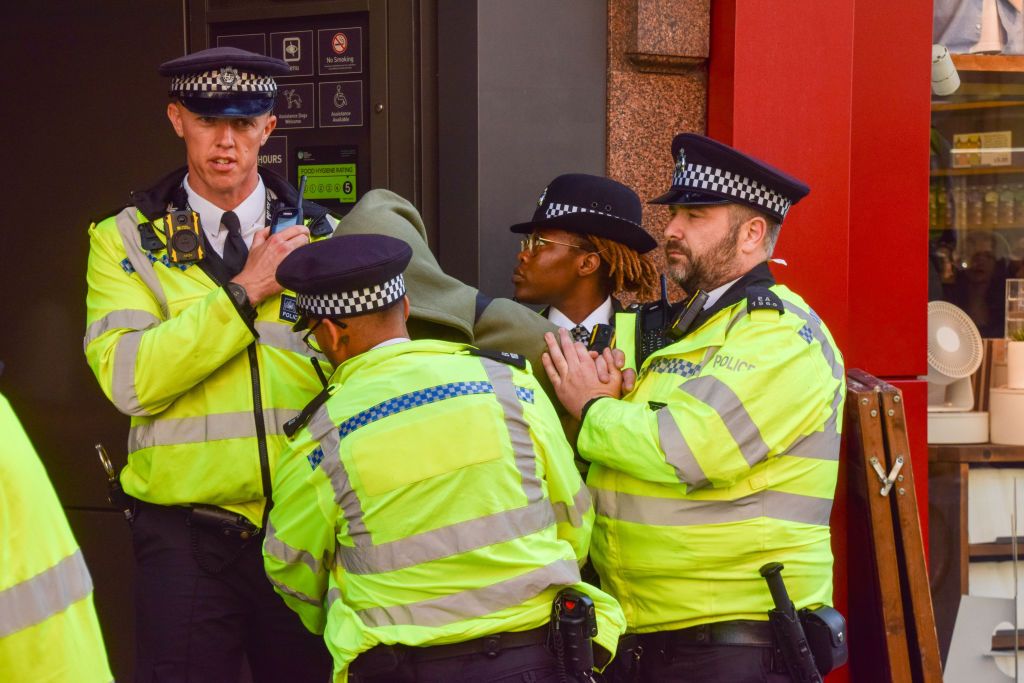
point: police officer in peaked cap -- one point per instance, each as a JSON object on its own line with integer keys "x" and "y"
{"x": 585, "y": 243}
{"x": 189, "y": 334}
{"x": 724, "y": 456}
{"x": 436, "y": 477}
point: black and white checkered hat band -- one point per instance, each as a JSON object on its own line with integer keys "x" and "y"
{"x": 345, "y": 304}
{"x": 706, "y": 178}
{"x": 555, "y": 209}
{"x": 223, "y": 80}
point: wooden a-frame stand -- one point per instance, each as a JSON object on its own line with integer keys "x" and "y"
{"x": 897, "y": 622}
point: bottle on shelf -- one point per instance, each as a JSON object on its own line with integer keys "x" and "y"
{"x": 1007, "y": 206}
{"x": 990, "y": 211}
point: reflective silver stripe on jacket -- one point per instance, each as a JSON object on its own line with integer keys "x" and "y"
{"x": 346, "y": 498}
{"x": 203, "y": 428}
{"x": 126, "y": 319}
{"x": 656, "y": 511}
{"x": 280, "y": 336}
{"x": 50, "y": 592}
{"x": 473, "y": 603}
{"x": 122, "y": 382}
{"x": 128, "y": 228}
{"x": 291, "y": 592}
{"x": 500, "y": 375}
{"x": 678, "y": 452}
{"x": 827, "y": 442}
{"x": 280, "y": 550}
{"x": 446, "y": 541}
{"x": 322, "y": 427}
{"x": 581, "y": 504}
{"x": 717, "y": 395}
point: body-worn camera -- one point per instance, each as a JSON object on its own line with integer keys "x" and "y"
{"x": 184, "y": 241}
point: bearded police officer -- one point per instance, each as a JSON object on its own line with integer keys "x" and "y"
{"x": 428, "y": 513}
{"x": 585, "y": 243}
{"x": 724, "y": 456}
{"x": 189, "y": 334}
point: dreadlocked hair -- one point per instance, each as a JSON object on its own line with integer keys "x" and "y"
{"x": 628, "y": 270}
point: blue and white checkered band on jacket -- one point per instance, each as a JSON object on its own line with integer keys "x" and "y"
{"x": 340, "y": 305}
{"x": 555, "y": 209}
{"x": 707, "y": 178}
{"x": 228, "y": 79}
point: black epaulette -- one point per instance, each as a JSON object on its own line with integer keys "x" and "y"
{"x": 148, "y": 238}
{"x": 761, "y": 298}
{"x": 319, "y": 225}
{"x": 506, "y": 357}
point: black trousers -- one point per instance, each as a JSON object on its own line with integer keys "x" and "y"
{"x": 203, "y": 604}
{"x": 709, "y": 664}
{"x": 530, "y": 664}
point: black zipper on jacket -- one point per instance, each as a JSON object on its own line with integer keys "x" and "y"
{"x": 261, "y": 428}
{"x": 210, "y": 268}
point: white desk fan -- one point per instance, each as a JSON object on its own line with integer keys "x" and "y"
{"x": 955, "y": 351}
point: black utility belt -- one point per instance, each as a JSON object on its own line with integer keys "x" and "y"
{"x": 384, "y": 658}
{"x": 740, "y": 632}
{"x": 211, "y": 517}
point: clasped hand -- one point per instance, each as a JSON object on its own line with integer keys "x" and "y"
{"x": 579, "y": 375}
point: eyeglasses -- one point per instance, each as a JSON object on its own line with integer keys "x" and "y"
{"x": 531, "y": 243}
{"x": 309, "y": 339}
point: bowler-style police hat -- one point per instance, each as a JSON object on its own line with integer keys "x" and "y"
{"x": 346, "y": 276}
{"x": 225, "y": 82}
{"x": 591, "y": 205}
{"x": 708, "y": 172}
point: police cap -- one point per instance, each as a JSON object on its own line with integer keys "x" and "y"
{"x": 591, "y": 205}
{"x": 225, "y": 82}
{"x": 345, "y": 276}
{"x": 708, "y": 172}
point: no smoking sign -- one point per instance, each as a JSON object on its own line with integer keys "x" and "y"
{"x": 340, "y": 50}
{"x": 339, "y": 43}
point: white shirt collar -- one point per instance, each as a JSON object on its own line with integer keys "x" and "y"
{"x": 600, "y": 315}
{"x": 252, "y": 215}
{"x": 716, "y": 293}
{"x": 389, "y": 342}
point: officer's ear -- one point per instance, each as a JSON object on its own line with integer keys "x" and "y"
{"x": 405, "y": 306}
{"x": 174, "y": 114}
{"x": 752, "y": 233}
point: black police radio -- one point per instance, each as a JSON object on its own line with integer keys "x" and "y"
{"x": 184, "y": 240}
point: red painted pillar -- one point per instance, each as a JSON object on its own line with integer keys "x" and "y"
{"x": 837, "y": 93}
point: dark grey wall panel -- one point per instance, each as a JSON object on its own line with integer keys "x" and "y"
{"x": 541, "y": 113}
{"x": 535, "y": 109}
{"x": 84, "y": 124}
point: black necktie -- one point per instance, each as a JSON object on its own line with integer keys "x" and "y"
{"x": 580, "y": 334}
{"x": 235, "y": 251}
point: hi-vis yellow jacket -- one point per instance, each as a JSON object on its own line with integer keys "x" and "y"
{"x": 208, "y": 394}
{"x": 723, "y": 458}
{"x": 432, "y": 499}
{"x": 48, "y": 626}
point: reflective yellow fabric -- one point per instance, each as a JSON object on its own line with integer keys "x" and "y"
{"x": 723, "y": 458}
{"x": 432, "y": 499}
{"x": 168, "y": 348}
{"x": 48, "y": 626}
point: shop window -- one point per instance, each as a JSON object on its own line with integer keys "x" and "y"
{"x": 976, "y": 194}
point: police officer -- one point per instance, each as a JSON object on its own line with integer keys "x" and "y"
{"x": 429, "y": 512}
{"x": 48, "y": 626}
{"x": 724, "y": 457}
{"x": 189, "y": 334}
{"x": 585, "y": 243}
